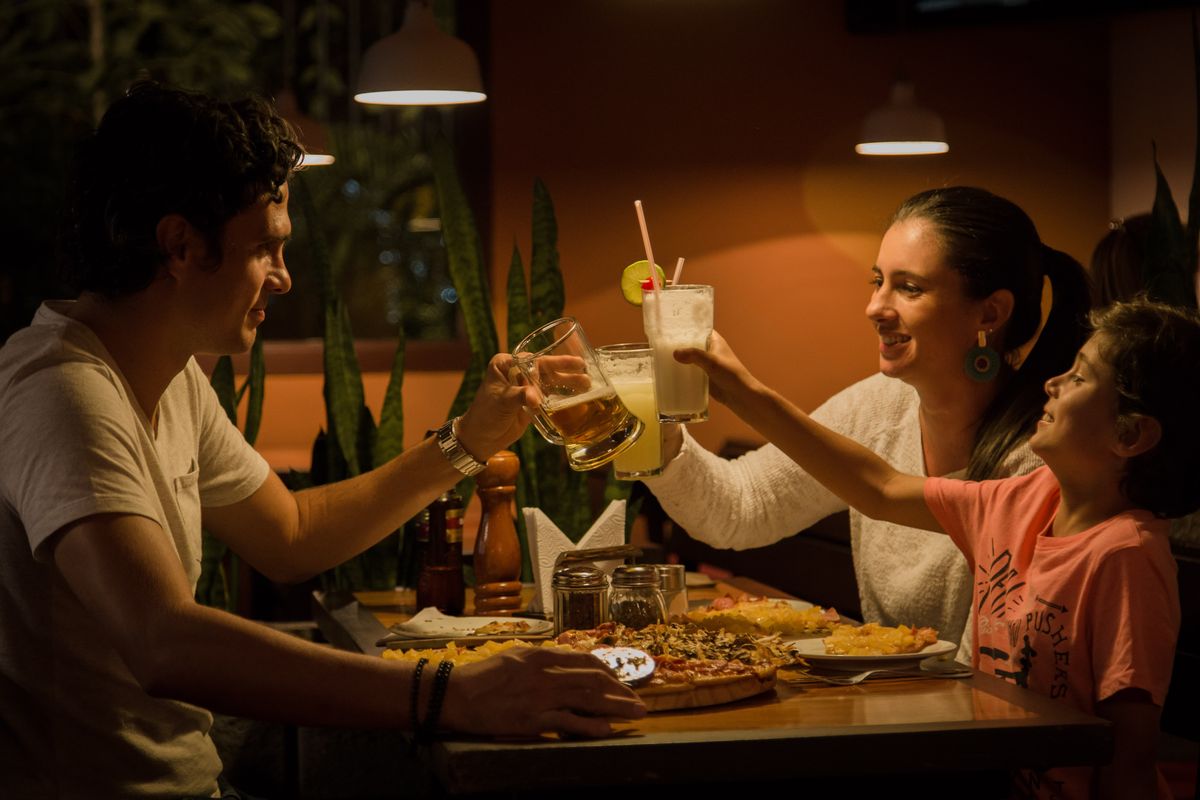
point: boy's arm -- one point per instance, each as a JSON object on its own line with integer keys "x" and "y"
{"x": 1135, "y": 718}
{"x": 849, "y": 470}
{"x": 290, "y": 537}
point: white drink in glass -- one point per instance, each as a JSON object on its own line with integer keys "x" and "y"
{"x": 629, "y": 368}
{"x": 676, "y": 317}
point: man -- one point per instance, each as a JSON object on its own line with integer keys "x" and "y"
{"x": 113, "y": 452}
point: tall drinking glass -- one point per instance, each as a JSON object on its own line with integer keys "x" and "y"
{"x": 630, "y": 369}
{"x": 576, "y": 400}
{"x": 676, "y": 317}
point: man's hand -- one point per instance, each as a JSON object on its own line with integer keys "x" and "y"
{"x": 729, "y": 380}
{"x": 527, "y": 691}
{"x": 499, "y": 413}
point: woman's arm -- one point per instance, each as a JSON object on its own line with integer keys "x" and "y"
{"x": 851, "y": 471}
{"x": 750, "y": 501}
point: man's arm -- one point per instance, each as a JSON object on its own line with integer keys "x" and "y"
{"x": 123, "y": 569}
{"x": 289, "y": 537}
{"x": 849, "y": 470}
{"x": 1132, "y": 773}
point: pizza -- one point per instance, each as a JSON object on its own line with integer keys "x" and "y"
{"x": 873, "y": 639}
{"x": 760, "y": 615}
{"x": 694, "y": 666}
{"x": 513, "y": 627}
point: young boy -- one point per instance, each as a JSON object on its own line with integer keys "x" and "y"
{"x": 1076, "y": 594}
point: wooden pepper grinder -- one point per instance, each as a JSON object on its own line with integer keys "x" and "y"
{"x": 497, "y": 548}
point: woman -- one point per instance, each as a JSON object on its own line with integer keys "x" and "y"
{"x": 957, "y": 265}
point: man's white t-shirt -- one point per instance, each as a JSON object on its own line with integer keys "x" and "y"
{"x": 74, "y": 443}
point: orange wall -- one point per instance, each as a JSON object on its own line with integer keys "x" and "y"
{"x": 734, "y": 123}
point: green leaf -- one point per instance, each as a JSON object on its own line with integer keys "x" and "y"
{"x": 546, "y": 296}
{"x": 519, "y": 320}
{"x": 343, "y": 384}
{"x": 257, "y": 381}
{"x": 222, "y": 383}
{"x": 389, "y": 442}
{"x": 464, "y": 253}
{"x": 1165, "y": 272}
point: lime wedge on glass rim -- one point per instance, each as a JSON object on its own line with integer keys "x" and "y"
{"x": 633, "y": 277}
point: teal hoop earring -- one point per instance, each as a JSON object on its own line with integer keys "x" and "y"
{"x": 982, "y": 363}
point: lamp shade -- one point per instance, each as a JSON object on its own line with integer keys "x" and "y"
{"x": 902, "y": 128}
{"x": 419, "y": 65}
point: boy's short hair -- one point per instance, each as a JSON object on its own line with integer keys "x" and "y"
{"x": 1154, "y": 352}
{"x": 158, "y": 151}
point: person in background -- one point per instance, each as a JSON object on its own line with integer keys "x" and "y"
{"x": 964, "y": 349}
{"x": 1118, "y": 260}
{"x": 1117, "y": 269}
{"x": 1077, "y": 597}
{"x": 115, "y": 452}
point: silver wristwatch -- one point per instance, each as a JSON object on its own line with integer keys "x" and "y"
{"x": 458, "y": 457}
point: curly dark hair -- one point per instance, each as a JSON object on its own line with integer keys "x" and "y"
{"x": 160, "y": 150}
{"x": 993, "y": 244}
{"x": 1153, "y": 349}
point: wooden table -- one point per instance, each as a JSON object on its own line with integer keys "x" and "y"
{"x": 799, "y": 733}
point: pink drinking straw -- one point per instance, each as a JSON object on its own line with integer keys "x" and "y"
{"x": 637, "y": 204}
{"x": 678, "y": 272}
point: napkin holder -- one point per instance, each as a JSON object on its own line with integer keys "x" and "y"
{"x": 550, "y": 548}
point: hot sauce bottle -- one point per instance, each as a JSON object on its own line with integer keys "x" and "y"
{"x": 440, "y": 583}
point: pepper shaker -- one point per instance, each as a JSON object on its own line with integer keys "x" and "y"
{"x": 580, "y": 597}
{"x": 637, "y": 600}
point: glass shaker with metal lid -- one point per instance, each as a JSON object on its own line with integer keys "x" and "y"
{"x": 637, "y": 600}
{"x": 580, "y": 597}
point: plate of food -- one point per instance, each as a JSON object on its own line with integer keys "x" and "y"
{"x": 433, "y": 624}
{"x": 765, "y": 617}
{"x": 857, "y": 647}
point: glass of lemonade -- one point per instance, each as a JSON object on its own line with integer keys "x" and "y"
{"x": 577, "y": 402}
{"x": 630, "y": 369}
{"x": 676, "y": 317}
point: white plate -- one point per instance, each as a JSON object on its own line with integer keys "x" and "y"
{"x": 433, "y": 624}
{"x": 813, "y": 651}
{"x": 695, "y": 580}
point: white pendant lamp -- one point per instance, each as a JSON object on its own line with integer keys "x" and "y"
{"x": 419, "y": 65}
{"x": 902, "y": 128}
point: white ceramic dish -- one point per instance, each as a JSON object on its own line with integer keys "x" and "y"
{"x": 813, "y": 651}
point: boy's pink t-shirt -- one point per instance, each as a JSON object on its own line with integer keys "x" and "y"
{"x": 1077, "y": 618}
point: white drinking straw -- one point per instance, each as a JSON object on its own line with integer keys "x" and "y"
{"x": 678, "y": 271}
{"x": 637, "y": 204}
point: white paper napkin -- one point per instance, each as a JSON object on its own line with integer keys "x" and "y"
{"x": 546, "y": 542}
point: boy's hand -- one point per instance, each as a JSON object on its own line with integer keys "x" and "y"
{"x": 499, "y": 413}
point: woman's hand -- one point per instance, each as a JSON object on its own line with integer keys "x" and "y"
{"x": 499, "y": 413}
{"x": 527, "y": 691}
{"x": 728, "y": 379}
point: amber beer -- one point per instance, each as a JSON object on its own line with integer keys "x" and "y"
{"x": 587, "y": 417}
{"x": 579, "y": 407}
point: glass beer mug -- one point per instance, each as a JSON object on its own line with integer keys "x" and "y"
{"x": 578, "y": 407}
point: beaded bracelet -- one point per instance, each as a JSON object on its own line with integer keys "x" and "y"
{"x": 416, "y": 691}
{"x": 428, "y": 728}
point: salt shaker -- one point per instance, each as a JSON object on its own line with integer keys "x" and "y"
{"x": 580, "y": 597}
{"x": 673, "y": 582}
{"x": 637, "y": 600}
